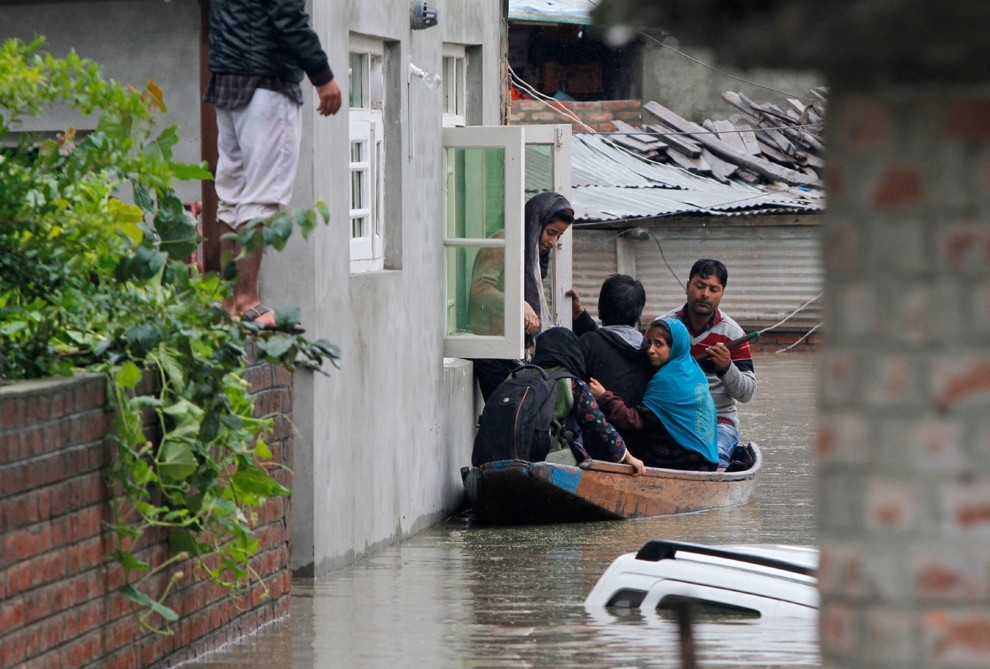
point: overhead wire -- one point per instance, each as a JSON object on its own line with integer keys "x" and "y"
{"x": 552, "y": 103}
{"x": 801, "y": 339}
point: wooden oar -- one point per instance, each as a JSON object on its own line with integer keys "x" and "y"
{"x": 735, "y": 343}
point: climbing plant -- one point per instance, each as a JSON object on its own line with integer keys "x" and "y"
{"x": 94, "y": 276}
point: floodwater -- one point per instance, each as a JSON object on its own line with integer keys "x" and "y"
{"x": 461, "y": 595}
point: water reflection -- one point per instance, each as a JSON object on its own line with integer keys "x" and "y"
{"x": 464, "y": 596}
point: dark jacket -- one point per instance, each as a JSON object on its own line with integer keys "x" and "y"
{"x": 621, "y": 368}
{"x": 269, "y": 38}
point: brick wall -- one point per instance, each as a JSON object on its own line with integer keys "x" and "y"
{"x": 598, "y": 114}
{"x": 58, "y": 607}
{"x": 903, "y": 490}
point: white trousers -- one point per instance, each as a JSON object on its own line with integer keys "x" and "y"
{"x": 258, "y": 147}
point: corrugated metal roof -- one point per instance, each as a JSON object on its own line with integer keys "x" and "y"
{"x": 610, "y": 184}
{"x": 552, "y": 11}
{"x": 773, "y": 270}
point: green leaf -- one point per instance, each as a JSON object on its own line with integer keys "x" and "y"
{"x": 176, "y": 227}
{"x": 257, "y": 481}
{"x": 277, "y": 346}
{"x": 184, "y": 540}
{"x": 323, "y": 210}
{"x": 191, "y": 171}
{"x": 176, "y": 461}
{"x": 127, "y": 560}
{"x": 128, "y": 376}
{"x": 161, "y": 147}
{"x": 287, "y": 315}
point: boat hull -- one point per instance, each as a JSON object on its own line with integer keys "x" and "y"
{"x": 517, "y": 492}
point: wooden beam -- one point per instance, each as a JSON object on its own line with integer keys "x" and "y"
{"x": 718, "y": 147}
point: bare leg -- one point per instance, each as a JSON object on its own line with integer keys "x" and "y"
{"x": 246, "y": 284}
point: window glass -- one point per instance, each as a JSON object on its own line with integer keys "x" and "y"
{"x": 476, "y": 211}
{"x": 539, "y": 169}
{"x": 357, "y": 80}
{"x": 475, "y": 192}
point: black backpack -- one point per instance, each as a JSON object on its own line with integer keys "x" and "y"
{"x": 515, "y": 423}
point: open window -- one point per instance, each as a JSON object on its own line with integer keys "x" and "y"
{"x": 367, "y": 153}
{"x": 491, "y": 172}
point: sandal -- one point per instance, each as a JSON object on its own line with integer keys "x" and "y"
{"x": 254, "y": 313}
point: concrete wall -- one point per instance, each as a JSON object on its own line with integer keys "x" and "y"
{"x": 387, "y": 433}
{"x": 695, "y": 91}
{"x": 381, "y": 440}
{"x": 116, "y": 35}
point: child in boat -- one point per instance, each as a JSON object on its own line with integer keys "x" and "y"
{"x": 678, "y": 413}
{"x": 576, "y": 410}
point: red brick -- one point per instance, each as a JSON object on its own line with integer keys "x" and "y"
{"x": 938, "y": 578}
{"x": 969, "y": 119}
{"x": 864, "y": 124}
{"x": 891, "y": 380}
{"x": 11, "y": 414}
{"x": 890, "y": 505}
{"x": 957, "y": 637}
{"x": 964, "y": 381}
{"x": 615, "y": 105}
{"x": 841, "y": 248}
{"x": 835, "y": 183}
{"x": 838, "y": 630}
{"x": 901, "y": 186}
{"x": 964, "y": 246}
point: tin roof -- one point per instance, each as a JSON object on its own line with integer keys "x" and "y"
{"x": 611, "y": 184}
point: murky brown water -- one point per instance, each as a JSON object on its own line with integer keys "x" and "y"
{"x": 464, "y": 596}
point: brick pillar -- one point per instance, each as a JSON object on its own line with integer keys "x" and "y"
{"x": 903, "y": 486}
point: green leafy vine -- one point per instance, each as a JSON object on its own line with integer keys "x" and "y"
{"x": 94, "y": 276}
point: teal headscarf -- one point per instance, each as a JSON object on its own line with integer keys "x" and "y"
{"x": 678, "y": 394}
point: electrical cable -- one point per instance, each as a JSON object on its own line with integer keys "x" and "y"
{"x": 790, "y": 315}
{"x": 805, "y": 336}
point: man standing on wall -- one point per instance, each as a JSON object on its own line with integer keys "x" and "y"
{"x": 259, "y": 50}
{"x": 731, "y": 375}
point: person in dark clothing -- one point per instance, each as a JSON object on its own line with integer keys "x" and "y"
{"x": 576, "y": 413}
{"x": 616, "y": 353}
{"x": 258, "y": 53}
{"x": 547, "y": 217}
{"x": 677, "y": 415}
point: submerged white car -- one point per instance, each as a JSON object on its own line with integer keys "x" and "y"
{"x": 735, "y": 581}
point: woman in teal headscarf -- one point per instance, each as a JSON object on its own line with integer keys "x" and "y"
{"x": 678, "y": 413}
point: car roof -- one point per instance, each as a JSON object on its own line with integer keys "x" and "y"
{"x": 775, "y": 572}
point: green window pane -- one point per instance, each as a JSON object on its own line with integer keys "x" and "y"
{"x": 475, "y": 192}
{"x": 357, "y": 80}
{"x": 475, "y": 291}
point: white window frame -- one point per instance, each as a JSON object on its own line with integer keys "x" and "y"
{"x": 558, "y": 137}
{"x": 366, "y": 126}
{"x": 454, "y": 73}
{"x": 513, "y": 140}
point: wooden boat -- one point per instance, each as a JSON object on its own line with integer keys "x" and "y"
{"x": 517, "y": 492}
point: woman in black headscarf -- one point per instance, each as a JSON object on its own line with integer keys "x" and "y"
{"x": 547, "y": 217}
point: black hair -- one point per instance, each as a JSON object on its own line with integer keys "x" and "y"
{"x": 707, "y": 267}
{"x": 665, "y": 334}
{"x": 621, "y": 300}
{"x": 562, "y": 215}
